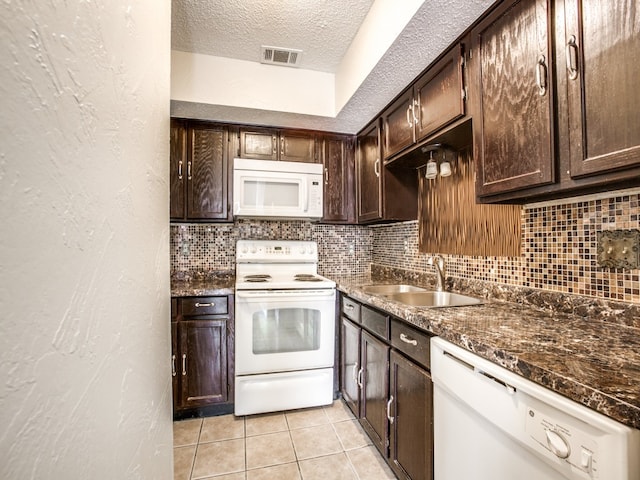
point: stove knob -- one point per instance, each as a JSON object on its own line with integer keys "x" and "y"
{"x": 253, "y": 249}
{"x": 302, "y": 249}
{"x": 244, "y": 249}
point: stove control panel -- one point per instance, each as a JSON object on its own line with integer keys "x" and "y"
{"x": 264, "y": 251}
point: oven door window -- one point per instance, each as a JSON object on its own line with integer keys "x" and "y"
{"x": 283, "y": 330}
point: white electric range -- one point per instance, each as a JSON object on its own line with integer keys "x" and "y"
{"x": 285, "y": 327}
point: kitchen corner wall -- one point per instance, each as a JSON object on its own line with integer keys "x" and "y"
{"x": 559, "y": 247}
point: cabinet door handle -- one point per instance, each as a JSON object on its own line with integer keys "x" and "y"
{"x": 408, "y": 340}
{"x": 180, "y": 170}
{"x": 184, "y": 364}
{"x": 189, "y": 169}
{"x": 282, "y": 146}
{"x": 416, "y": 106}
{"x": 389, "y": 417}
{"x": 173, "y": 365}
{"x": 572, "y": 57}
{"x": 541, "y": 76}
{"x": 359, "y": 379}
{"x": 326, "y": 176}
{"x": 354, "y": 375}
{"x": 275, "y": 145}
{"x": 198, "y": 304}
{"x": 376, "y": 167}
{"x": 409, "y": 114}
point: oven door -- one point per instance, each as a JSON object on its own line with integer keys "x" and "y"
{"x": 284, "y": 330}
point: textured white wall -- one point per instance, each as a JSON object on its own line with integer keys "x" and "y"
{"x": 84, "y": 264}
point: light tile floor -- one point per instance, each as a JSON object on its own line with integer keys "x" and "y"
{"x": 324, "y": 443}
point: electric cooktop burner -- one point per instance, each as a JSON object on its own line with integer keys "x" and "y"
{"x": 306, "y": 277}
{"x": 257, "y": 278}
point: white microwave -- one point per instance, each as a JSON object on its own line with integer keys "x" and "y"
{"x": 277, "y": 190}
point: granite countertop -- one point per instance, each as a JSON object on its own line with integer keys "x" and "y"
{"x": 203, "y": 284}
{"x": 592, "y": 362}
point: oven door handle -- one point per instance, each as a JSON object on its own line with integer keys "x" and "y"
{"x": 328, "y": 292}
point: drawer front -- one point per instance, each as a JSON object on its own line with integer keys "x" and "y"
{"x": 411, "y": 341}
{"x": 376, "y": 322}
{"x": 351, "y": 309}
{"x": 204, "y": 306}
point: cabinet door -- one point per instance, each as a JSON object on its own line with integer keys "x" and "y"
{"x": 375, "y": 386}
{"x": 338, "y": 160}
{"x": 411, "y": 408}
{"x": 514, "y": 146}
{"x": 207, "y": 173}
{"x": 397, "y": 124}
{"x": 602, "y": 45}
{"x": 440, "y": 94}
{"x": 178, "y": 167}
{"x": 259, "y": 144}
{"x": 297, "y": 146}
{"x": 368, "y": 178}
{"x": 350, "y": 364}
{"x": 175, "y": 365}
{"x": 203, "y": 362}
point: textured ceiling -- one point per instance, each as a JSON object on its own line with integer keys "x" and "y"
{"x": 435, "y": 25}
{"x": 323, "y": 30}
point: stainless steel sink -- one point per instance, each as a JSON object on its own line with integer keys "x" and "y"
{"x": 433, "y": 299}
{"x": 391, "y": 289}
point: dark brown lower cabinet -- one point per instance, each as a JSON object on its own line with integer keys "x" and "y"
{"x": 350, "y": 364}
{"x": 202, "y": 356}
{"x": 385, "y": 381}
{"x": 375, "y": 384}
{"x": 204, "y": 378}
{"x": 411, "y": 408}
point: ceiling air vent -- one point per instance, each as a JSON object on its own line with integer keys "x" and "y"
{"x": 287, "y": 57}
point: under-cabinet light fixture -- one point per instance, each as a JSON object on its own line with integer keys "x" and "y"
{"x": 432, "y": 166}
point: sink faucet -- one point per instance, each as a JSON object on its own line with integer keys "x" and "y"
{"x": 438, "y": 262}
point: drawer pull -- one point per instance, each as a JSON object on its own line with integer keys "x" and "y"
{"x": 408, "y": 340}
{"x": 198, "y": 304}
{"x": 389, "y": 417}
{"x": 349, "y": 307}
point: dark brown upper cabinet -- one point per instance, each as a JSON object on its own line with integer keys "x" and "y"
{"x": 272, "y": 144}
{"x": 436, "y": 99}
{"x": 513, "y": 104}
{"x": 338, "y": 158}
{"x": 554, "y": 102}
{"x": 382, "y": 193}
{"x": 601, "y": 42}
{"x": 199, "y": 172}
{"x": 368, "y": 175}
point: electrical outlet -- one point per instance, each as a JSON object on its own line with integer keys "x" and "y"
{"x": 619, "y": 249}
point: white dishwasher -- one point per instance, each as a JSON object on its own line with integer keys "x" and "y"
{"x": 491, "y": 424}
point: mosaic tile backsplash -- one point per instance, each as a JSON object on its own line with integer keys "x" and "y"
{"x": 559, "y": 248}
{"x": 343, "y": 250}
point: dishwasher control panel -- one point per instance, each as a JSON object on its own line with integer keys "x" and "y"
{"x": 562, "y": 439}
